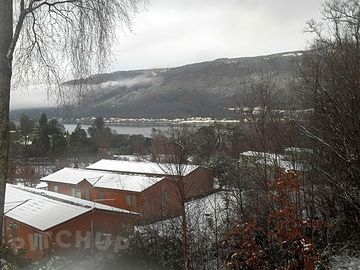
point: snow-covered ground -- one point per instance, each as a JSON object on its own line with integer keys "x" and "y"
{"x": 345, "y": 262}
{"x": 61, "y": 263}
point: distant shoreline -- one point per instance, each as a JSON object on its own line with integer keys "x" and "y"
{"x": 144, "y": 122}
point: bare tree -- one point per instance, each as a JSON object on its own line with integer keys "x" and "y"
{"x": 40, "y": 38}
{"x": 330, "y": 77}
{"x": 257, "y": 111}
{"x": 172, "y": 156}
{"x": 258, "y": 103}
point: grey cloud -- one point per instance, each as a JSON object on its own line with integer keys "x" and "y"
{"x": 176, "y": 32}
{"x": 139, "y": 80}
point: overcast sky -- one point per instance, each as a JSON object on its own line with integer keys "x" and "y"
{"x": 176, "y": 32}
{"x": 168, "y": 33}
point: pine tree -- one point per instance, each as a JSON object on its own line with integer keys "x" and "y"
{"x": 43, "y": 140}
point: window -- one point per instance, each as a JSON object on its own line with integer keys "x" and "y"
{"x": 56, "y": 188}
{"x": 165, "y": 197}
{"x": 130, "y": 200}
{"x": 101, "y": 195}
{"x": 86, "y": 194}
{"x": 38, "y": 241}
{"x": 77, "y": 193}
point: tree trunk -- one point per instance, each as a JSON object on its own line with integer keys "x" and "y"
{"x": 6, "y": 32}
{"x": 185, "y": 239}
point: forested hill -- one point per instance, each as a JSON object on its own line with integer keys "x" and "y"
{"x": 201, "y": 89}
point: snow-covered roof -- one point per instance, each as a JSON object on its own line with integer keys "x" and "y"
{"x": 12, "y": 204}
{"x": 103, "y": 179}
{"x": 132, "y": 157}
{"x": 45, "y": 209}
{"x": 215, "y": 206}
{"x": 135, "y": 183}
{"x": 298, "y": 150}
{"x": 283, "y": 161}
{"x": 73, "y": 176}
{"x": 135, "y": 167}
{"x": 42, "y": 185}
{"x": 288, "y": 165}
{"x": 255, "y": 154}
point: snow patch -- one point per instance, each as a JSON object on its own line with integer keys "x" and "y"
{"x": 345, "y": 262}
{"x": 139, "y": 80}
{"x": 292, "y": 54}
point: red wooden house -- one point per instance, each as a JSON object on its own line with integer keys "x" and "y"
{"x": 155, "y": 190}
{"x": 181, "y": 182}
{"x": 44, "y": 222}
{"x": 164, "y": 199}
{"x": 118, "y": 190}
